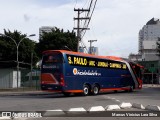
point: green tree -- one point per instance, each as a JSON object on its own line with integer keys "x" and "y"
{"x": 8, "y": 51}
{"x": 56, "y": 40}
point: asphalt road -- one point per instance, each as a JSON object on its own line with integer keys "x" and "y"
{"x": 51, "y": 102}
{"x": 146, "y": 96}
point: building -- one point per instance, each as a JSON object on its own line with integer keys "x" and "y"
{"x": 135, "y": 57}
{"x": 93, "y": 50}
{"x": 147, "y": 55}
{"x": 82, "y": 49}
{"x": 148, "y": 37}
{"x": 45, "y": 29}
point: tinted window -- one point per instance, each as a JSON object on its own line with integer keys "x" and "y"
{"x": 52, "y": 58}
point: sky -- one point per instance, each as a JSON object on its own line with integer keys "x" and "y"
{"x": 115, "y": 24}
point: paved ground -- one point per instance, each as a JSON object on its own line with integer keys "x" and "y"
{"x": 41, "y": 101}
{"x": 35, "y": 92}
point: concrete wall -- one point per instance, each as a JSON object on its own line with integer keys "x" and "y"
{"x": 8, "y": 78}
{"x": 149, "y": 44}
{"x": 149, "y": 57}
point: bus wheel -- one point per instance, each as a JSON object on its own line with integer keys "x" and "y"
{"x": 86, "y": 90}
{"x": 95, "y": 90}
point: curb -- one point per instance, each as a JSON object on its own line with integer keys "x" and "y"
{"x": 80, "y": 110}
{"x": 24, "y": 93}
{"x": 112, "y": 107}
{"x": 50, "y": 113}
{"x": 124, "y": 105}
{"x": 73, "y": 112}
{"x": 96, "y": 109}
{"x": 99, "y": 109}
{"x": 151, "y": 85}
{"x": 139, "y": 106}
{"x": 152, "y": 107}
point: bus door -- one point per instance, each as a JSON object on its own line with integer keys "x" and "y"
{"x": 52, "y": 71}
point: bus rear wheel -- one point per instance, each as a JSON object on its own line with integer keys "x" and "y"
{"x": 86, "y": 90}
{"x": 95, "y": 90}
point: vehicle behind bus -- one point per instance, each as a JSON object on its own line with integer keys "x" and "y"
{"x": 72, "y": 72}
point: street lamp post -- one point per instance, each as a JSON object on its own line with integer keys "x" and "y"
{"x": 17, "y": 46}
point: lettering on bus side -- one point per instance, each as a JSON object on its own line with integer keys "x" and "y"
{"x": 94, "y": 62}
{"x": 102, "y": 64}
{"x": 80, "y": 61}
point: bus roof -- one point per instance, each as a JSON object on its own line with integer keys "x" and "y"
{"x": 86, "y": 55}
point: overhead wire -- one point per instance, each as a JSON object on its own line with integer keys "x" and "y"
{"x": 90, "y": 18}
{"x": 88, "y": 14}
{"x": 75, "y": 3}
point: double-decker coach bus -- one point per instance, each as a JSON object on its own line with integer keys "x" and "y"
{"x": 73, "y": 72}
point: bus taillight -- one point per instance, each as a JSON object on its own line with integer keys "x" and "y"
{"x": 62, "y": 83}
{"x": 42, "y": 82}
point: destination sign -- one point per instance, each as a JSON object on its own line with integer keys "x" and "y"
{"x": 94, "y": 62}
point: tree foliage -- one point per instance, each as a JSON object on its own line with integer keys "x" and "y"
{"x": 8, "y": 51}
{"x": 56, "y": 40}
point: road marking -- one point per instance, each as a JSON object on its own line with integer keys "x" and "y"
{"x": 118, "y": 100}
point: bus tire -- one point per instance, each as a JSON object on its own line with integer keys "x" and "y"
{"x": 86, "y": 90}
{"x": 95, "y": 90}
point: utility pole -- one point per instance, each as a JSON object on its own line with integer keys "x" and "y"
{"x": 91, "y": 41}
{"x": 31, "y": 75}
{"x": 78, "y": 28}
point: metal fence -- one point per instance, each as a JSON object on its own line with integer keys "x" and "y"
{"x": 30, "y": 79}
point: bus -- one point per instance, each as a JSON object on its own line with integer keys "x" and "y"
{"x": 74, "y": 72}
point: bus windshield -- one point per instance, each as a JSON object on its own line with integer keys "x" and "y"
{"x": 52, "y": 60}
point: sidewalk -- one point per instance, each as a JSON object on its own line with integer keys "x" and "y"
{"x": 23, "y": 93}
{"x": 151, "y": 86}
